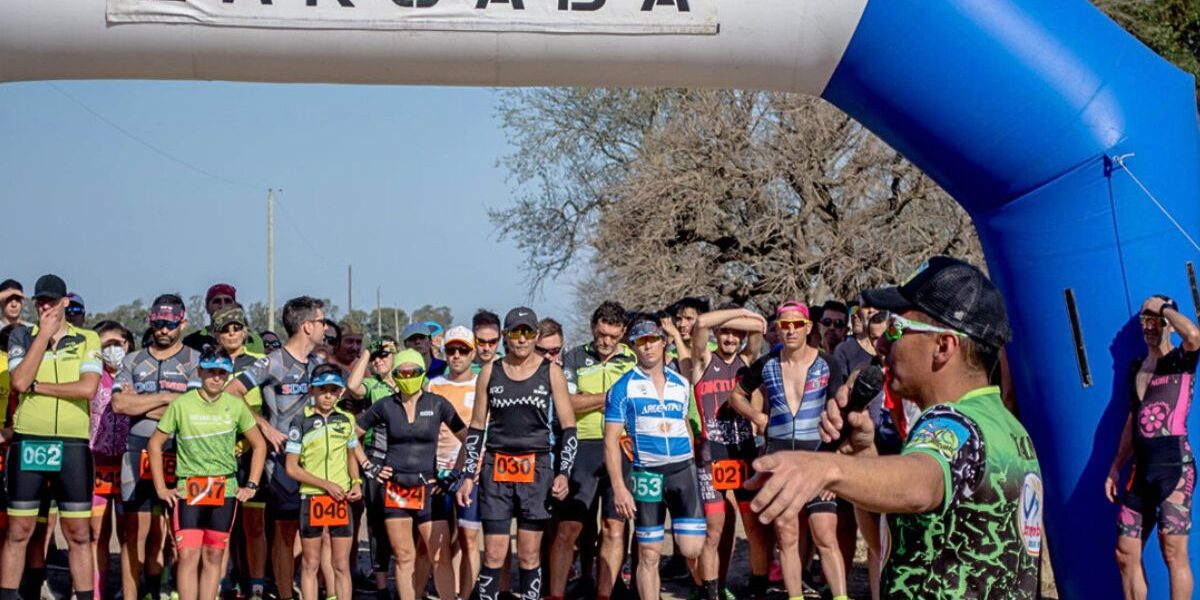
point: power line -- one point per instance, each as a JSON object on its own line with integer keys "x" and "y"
{"x": 155, "y": 149}
{"x": 299, "y": 233}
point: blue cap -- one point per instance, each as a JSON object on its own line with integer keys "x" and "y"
{"x": 329, "y": 378}
{"x": 217, "y": 362}
{"x": 643, "y": 329}
{"x": 435, "y": 328}
{"x": 418, "y": 328}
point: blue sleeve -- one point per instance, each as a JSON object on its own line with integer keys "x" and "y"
{"x": 614, "y": 403}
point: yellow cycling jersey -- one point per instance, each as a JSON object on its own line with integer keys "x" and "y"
{"x": 78, "y": 352}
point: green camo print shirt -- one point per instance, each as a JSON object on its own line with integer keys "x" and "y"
{"x": 986, "y": 540}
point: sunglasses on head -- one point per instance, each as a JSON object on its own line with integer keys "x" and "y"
{"x": 157, "y": 324}
{"x": 839, "y": 323}
{"x": 455, "y": 350}
{"x": 548, "y": 351}
{"x": 790, "y": 324}
{"x": 407, "y": 372}
{"x": 521, "y": 334}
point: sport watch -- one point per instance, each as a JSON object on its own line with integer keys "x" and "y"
{"x": 252, "y": 485}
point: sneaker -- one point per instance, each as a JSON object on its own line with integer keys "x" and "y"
{"x": 727, "y": 594}
{"x": 676, "y": 568}
{"x": 696, "y": 593}
{"x": 775, "y": 575}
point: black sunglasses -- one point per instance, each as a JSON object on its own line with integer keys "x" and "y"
{"x": 839, "y": 323}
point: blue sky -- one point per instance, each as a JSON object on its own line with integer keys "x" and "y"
{"x": 394, "y": 180}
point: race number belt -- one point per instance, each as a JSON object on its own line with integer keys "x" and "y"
{"x": 729, "y": 474}
{"x": 647, "y": 486}
{"x": 324, "y": 511}
{"x": 206, "y": 491}
{"x": 108, "y": 480}
{"x": 42, "y": 455}
{"x": 514, "y": 468}
{"x": 168, "y": 467}
{"x": 408, "y": 498}
{"x": 627, "y": 446}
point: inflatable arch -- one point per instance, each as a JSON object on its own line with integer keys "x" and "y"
{"x": 1043, "y": 119}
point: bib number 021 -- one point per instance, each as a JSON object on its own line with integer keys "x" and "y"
{"x": 729, "y": 474}
{"x": 42, "y": 455}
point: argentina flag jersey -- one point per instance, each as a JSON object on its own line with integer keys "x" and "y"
{"x": 657, "y": 426}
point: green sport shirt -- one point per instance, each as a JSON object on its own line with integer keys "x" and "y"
{"x": 586, "y": 373}
{"x": 76, "y": 353}
{"x": 986, "y": 540}
{"x": 205, "y": 436}
{"x": 323, "y": 443}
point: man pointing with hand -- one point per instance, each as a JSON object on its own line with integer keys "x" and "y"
{"x": 963, "y": 498}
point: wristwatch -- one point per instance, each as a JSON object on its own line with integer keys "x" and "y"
{"x": 33, "y": 386}
{"x": 252, "y": 485}
{"x": 1168, "y": 304}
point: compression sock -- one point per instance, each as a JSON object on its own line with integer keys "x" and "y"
{"x": 86, "y": 595}
{"x": 31, "y": 583}
{"x": 841, "y": 597}
{"x": 531, "y": 583}
{"x": 489, "y": 583}
{"x": 9, "y": 594}
{"x": 712, "y": 589}
{"x": 758, "y": 587}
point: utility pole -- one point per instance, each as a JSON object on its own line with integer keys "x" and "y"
{"x": 378, "y": 312}
{"x": 396, "y": 314}
{"x": 270, "y": 260}
{"x": 349, "y": 289}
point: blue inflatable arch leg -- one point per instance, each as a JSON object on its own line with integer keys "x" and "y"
{"x": 1021, "y": 123}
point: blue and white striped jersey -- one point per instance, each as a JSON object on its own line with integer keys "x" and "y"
{"x": 657, "y": 426}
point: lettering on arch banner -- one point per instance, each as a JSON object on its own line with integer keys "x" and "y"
{"x": 632, "y": 17}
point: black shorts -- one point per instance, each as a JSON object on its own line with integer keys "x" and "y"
{"x": 259, "y": 499}
{"x": 590, "y": 480}
{"x": 137, "y": 493}
{"x": 435, "y": 507}
{"x": 308, "y": 531}
{"x": 283, "y": 492}
{"x": 67, "y": 486}
{"x": 205, "y": 518}
{"x": 680, "y": 497}
{"x": 381, "y": 548}
{"x": 1158, "y": 493}
{"x": 729, "y": 462}
{"x": 816, "y": 505}
{"x": 529, "y": 503}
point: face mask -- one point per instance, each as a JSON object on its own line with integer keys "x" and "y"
{"x": 411, "y": 385}
{"x": 112, "y": 356}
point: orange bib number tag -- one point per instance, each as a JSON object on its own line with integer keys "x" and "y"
{"x": 729, "y": 474}
{"x": 627, "y": 446}
{"x": 168, "y": 467}
{"x": 206, "y": 491}
{"x": 408, "y": 498}
{"x": 108, "y": 478}
{"x": 513, "y": 468}
{"x": 324, "y": 511}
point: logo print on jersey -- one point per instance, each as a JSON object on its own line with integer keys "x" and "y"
{"x": 541, "y": 390}
{"x": 499, "y": 389}
{"x": 425, "y": 413}
{"x": 1030, "y": 514}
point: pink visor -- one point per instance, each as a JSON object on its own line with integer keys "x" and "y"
{"x": 792, "y": 305}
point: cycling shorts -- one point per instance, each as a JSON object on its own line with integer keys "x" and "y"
{"x": 680, "y": 497}
{"x": 529, "y": 503}
{"x": 589, "y": 481}
{"x": 729, "y": 464}
{"x": 310, "y": 531}
{"x": 1158, "y": 490}
{"x": 283, "y": 492}
{"x": 434, "y": 508}
{"x": 70, "y": 486}
{"x": 206, "y": 526}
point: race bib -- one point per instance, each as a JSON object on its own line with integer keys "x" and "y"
{"x": 168, "y": 467}
{"x": 324, "y": 511}
{"x": 647, "y": 487}
{"x": 514, "y": 468}
{"x": 42, "y": 455}
{"x": 206, "y": 491}
{"x": 108, "y": 480}
{"x": 408, "y": 498}
{"x": 729, "y": 474}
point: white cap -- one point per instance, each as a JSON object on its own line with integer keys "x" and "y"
{"x": 460, "y": 335}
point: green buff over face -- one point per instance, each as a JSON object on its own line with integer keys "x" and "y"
{"x": 409, "y": 379}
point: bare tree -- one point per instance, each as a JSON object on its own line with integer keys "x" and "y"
{"x": 737, "y": 196}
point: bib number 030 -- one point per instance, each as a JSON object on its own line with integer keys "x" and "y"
{"x": 44, "y": 456}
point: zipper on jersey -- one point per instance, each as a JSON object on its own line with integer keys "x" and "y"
{"x": 327, "y": 448}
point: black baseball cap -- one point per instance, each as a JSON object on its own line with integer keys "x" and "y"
{"x": 953, "y": 292}
{"x": 520, "y": 317}
{"x": 50, "y": 287}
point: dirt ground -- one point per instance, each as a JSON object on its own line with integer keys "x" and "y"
{"x": 678, "y": 589}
